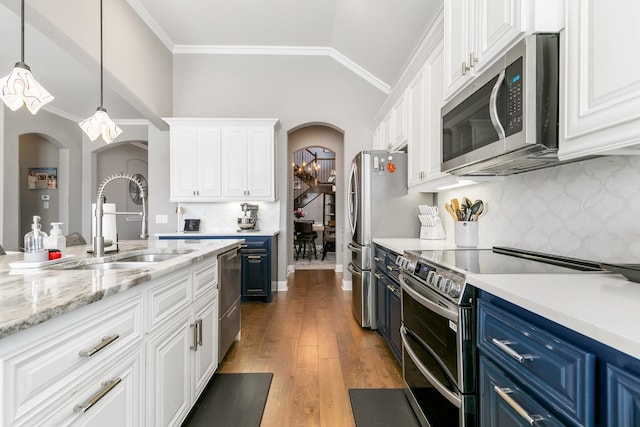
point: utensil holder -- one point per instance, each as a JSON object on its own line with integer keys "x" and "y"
{"x": 466, "y": 234}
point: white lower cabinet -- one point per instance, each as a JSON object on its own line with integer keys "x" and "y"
{"x": 138, "y": 358}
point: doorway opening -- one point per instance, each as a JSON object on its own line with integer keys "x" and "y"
{"x": 315, "y": 185}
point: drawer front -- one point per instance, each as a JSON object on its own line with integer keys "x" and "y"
{"x": 110, "y": 396}
{"x": 165, "y": 300}
{"x": 253, "y": 244}
{"x": 504, "y": 403}
{"x": 205, "y": 278}
{"x": 562, "y": 374}
{"x": 380, "y": 259}
{"x": 46, "y": 367}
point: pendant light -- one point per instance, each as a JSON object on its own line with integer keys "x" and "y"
{"x": 19, "y": 87}
{"x": 100, "y": 124}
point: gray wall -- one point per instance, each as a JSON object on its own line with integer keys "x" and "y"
{"x": 297, "y": 90}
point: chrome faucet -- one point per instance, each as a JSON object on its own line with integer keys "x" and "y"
{"x": 98, "y": 239}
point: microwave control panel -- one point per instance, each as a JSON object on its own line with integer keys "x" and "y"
{"x": 514, "y": 79}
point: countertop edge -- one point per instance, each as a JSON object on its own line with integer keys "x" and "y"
{"x": 234, "y": 233}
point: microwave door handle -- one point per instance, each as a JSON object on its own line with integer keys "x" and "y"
{"x": 493, "y": 107}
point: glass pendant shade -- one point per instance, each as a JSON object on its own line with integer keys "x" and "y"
{"x": 100, "y": 125}
{"x": 19, "y": 88}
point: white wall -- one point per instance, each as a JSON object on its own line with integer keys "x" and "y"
{"x": 297, "y": 90}
{"x": 587, "y": 209}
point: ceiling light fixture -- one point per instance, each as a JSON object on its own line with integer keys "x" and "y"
{"x": 20, "y": 87}
{"x": 100, "y": 124}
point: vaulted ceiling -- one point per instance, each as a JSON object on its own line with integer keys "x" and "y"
{"x": 373, "y": 38}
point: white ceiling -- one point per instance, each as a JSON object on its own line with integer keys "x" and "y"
{"x": 375, "y": 38}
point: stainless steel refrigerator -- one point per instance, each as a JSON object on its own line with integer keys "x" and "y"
{"x": 378, "y": 206}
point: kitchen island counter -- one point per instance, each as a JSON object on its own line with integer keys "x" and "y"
{"x": 218, "y": 233}
{"x": 30, "y": 296}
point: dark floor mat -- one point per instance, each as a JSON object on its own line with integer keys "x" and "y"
{"x": 379, "y": 407}
{"x": 231, "y": 400}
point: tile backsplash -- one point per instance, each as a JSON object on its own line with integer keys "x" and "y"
{"x": 588, "y": 209}
{"x": 222, "y": 217}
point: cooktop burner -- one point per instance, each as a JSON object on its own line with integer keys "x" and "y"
{"x": 445, "y": 270}
{"x": 501, "y": 260}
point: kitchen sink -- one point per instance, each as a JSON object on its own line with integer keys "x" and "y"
{"x": 113, "y": 265}
{"x": 145, "y": 258}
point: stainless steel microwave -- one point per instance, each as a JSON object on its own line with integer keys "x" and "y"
{"x": 506, "y": 121}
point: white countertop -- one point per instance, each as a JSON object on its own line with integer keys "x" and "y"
{"x": 219, "y": 233}
{"x": 29, "y": 296}
{"x": 604, "y": 307}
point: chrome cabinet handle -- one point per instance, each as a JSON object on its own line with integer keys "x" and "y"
{"x": 378, "y": 259}
{"x": 504, "y": 346}
{"x": 393, "y": 290}
{"x": 107, "y": 387}
{"x": 105, "y": 342}
{"x": 391, "y": 268}
{"x": 472, "y": 59}
{"x": 493, "y": 107}
{"x": 503, "y": 392}
{"x": 194, "y": 336}
{"x": 199, "y": 322}
{"x": 378, "y": 276}
{"x": 464, "y": 68}
{"x": 254, "y": 257}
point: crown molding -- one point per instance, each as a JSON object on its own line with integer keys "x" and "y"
{"x": 285, "y": 50}
{"x": 151, "y": 23}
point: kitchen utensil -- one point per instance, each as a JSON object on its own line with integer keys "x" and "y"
{"x": 466, "y": 202}
{"x": 451, "y": 211}
{"x": 473, "y": 210}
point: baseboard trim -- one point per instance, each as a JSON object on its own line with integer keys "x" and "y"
{"x": 346, "y": 285}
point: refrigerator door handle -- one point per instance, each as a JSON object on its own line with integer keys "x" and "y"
{"x": 352, "y": 199}
{"x": 354, "y": 248}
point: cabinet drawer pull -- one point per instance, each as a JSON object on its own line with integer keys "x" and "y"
{"x": 194, "y": 336}
{"x": 105, "y": 342}
{"x": 254, "y": 257}
{"x": 464, "y": 68}
{"x": 106, "y": 388}
{"x": 391, "y": 268}
{"x": 393, "y": 290}
{"x": 378, "y": 276}
{"x": 503, "y": 392}
{"x": 199, "y": 322}
{"x": 378, "y": 259}
{"x": 504, "y": 346}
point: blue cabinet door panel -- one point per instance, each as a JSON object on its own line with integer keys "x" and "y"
{"x": 504, "y": 404}
{"x": 623, "y": 398}
{"x": 562, "y": 374}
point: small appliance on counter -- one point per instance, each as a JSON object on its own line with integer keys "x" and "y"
{"x": 249, "y": 220}
{"x": 430, "y": 224}
{"x": 192, "y": 225}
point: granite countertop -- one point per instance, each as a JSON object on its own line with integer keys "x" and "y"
{"x": 219, "y": 233}
{"x": 29, "y": 296}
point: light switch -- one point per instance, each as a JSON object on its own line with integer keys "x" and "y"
{"x": 162, "y": 219}
{"x": 45, "y": 205}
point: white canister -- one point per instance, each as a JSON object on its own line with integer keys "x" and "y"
{"x": 466, "y": 234}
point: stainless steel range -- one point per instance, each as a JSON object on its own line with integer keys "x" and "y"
{"x": 438, "y": 324}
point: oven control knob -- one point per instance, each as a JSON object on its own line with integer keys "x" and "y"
{"x": 454, "y": 290}
{"x": 436, "y": 280}
{"x": 445, "y": 285}
{"x": 405, "y": 264}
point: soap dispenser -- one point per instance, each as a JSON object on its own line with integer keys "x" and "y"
{"x": 34, "y": 243}
{"x": 56, "y": 239}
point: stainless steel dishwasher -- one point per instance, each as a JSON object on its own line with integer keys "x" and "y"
{"x": 229, "y": 298}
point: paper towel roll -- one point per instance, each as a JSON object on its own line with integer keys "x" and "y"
{"x": 109, "y": 228}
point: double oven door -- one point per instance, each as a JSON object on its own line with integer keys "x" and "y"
{"x": 438, "y": 357}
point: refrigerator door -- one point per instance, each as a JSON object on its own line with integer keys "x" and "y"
{"x": 362, "y": 297}
{"x": 361, "y": 256}
{"x": 354, "y": 198}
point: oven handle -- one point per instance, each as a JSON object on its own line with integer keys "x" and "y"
{"x": 448, "y": 394}
{"x": 431, "y": 305}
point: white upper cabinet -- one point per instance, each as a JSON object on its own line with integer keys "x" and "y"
{"x": 214, "y": 160}
{"x": 248, "y": 156}
{"x": 476, "y": 32}
{"x": 399, "y": 112}
{"x": 600, "y": 81}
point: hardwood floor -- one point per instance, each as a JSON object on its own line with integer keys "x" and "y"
{"x": 316, "y": 350}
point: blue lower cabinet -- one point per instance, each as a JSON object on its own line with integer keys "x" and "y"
{"x": 388, "y": 306}
{"x": 623, "y": 398}
{"x": 381, "y": 303}
{"x": 395, "y": 321}
{"x": 504, "y": 403}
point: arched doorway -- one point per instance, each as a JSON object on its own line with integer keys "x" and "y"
{"x": 316, "y": 187}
